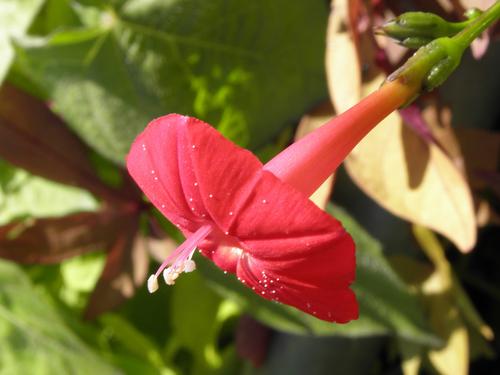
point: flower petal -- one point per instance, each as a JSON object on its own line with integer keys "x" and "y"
{"x": 153, "y": 163}
{"x": 323, "y": 295}
{"x": 195, "y": 176}
{"x": 285, "y": 236}
{"x": 190, "y": 172}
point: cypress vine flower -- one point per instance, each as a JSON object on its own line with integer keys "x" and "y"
{"x": 256, "y": 220}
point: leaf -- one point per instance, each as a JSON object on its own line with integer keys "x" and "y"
{"x": 38, "y": 141}
{"x": 133, "y": 340}
{"x": 206, "y": 312}
{"x": 343, "y": 66}
{"x": 34, "y": 337}
{"x": 125, "y": 270}
{"x": 386, "y": 306}
{"x": 15, "y": 18}
{"x": 409, "y": 178}
{"x": 414, "y": 180}
{"x": 24, "y": 195}
{"x": 224, "y": 62}
{"x": 447, "y": 304}
{"x": 446, "y": 319}
{"x": 411, "y": 357}
{"x": 453, "y": 358}
{"x": 51, "y": 240}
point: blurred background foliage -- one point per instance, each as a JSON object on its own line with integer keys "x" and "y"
{"x": 81, "y": 78}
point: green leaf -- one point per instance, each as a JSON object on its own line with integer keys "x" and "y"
{"x": 23, "y": 194}
{"x": 197, "y": 315}
{"x": 386, "y": 306}
{"x": 34, "y": 338}
{"x": 55, "y": 15}
{"x": 15, "y": 18}
{"x": 246, "y": 67}
{"x": 382, "y": 295}
{"x": 132, "y": 339}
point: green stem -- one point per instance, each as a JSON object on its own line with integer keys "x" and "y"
{"x": 479, "y": 24}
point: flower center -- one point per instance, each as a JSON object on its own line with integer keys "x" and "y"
{"x": 180, "y": 259}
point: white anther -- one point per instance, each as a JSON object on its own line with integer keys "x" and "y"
{"x": 189, "y": 266}
{"x": 169, "y": 276}
{"x": 152, "y": 284}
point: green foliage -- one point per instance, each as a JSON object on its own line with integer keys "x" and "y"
{"x": 243, "y": 66}
{"x": 15, "y": 18}
{"x": 33, "y": 336}
{"x": 250, "y": 68}
{"x": 25, "y": 195}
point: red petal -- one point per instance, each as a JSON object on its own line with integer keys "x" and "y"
{"x": 304, "y": 250}
{"x": 308, "y": 285}
{"x": 190, "y": 172}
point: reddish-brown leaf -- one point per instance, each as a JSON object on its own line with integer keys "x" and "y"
{"x": 34, "y": 138}
{"x": 125, "y": 269}
{"x": 50, "y": 240}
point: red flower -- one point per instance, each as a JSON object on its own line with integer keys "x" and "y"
{"x": 256, "y": 221}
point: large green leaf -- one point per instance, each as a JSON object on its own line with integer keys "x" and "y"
{"x": 197, "y": 315}
{"x": 386, "y": 306}
{"x": 248, "y": 67}
{"x": 34, "y": 338}
{"x": 23, "y": 194}
{"x": 15, "y": 18}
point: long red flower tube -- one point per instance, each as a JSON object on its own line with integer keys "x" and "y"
{"x": 255, "y": 220}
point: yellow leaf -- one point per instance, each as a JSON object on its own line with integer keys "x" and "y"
{"x": 443, "y": 309}
{"x": 342, "y": 65}
{"x": 414, "y": 180}
{"x": 445, "y": 318}
{"x": 412, "y": 357}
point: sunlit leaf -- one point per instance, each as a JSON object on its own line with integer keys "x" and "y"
{"x": 15, "y": 18}
{"x": 215, "y": 60}
{"x": 197, "y": 317}
{"x": 342, "y": 59}
{"x": 34, "y": 336}
{"x": 414, "y": 180}
{"x": 25, "y": 195}
{"x": 406, "y": 176}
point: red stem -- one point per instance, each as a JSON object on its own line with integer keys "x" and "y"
{"x": 308, "y": 162}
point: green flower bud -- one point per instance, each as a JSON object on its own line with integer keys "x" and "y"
{"x": 432, "y": 64}
{"x": 415, "y": 29}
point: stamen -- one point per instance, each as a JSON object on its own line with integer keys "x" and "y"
{"x": 152, "y": 284}
{"x": 180, "y": 260}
